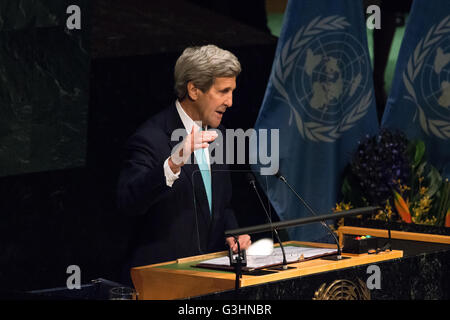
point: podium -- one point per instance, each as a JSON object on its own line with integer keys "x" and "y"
{"x": 180, "y": 279}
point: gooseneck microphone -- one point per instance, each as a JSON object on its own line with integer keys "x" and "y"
{"x": 307, "y": 206}
{"x": 251, "y": 179}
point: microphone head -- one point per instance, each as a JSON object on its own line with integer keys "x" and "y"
{"x": 278, "y": 174}
{"x": 250, "y": 177}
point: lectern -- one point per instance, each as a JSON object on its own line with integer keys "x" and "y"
{"x": 181, "y": 278}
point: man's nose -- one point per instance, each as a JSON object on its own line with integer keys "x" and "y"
{"x": 229, "y": 100}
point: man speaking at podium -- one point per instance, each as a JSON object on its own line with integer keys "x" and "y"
{"x": 184, "y": 205}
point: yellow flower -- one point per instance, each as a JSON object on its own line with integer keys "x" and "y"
{"x": 420, "y": 210}
{"x": 423, "y": 190}
{"x": 402, "y": 187}
{"x": 341, "y": 206}
{"x": 337, "y": 208}
{"x": 425, "y": 203}
{"x": 386, "y": 212}
{"x": 388, "y": 209}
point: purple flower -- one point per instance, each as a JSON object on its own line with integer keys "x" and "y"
{"x": 379, "y": 162}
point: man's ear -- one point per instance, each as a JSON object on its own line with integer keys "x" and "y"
{"x": 192, "y": 91}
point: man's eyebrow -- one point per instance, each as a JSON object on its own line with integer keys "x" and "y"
{"x": 228, "y": 88}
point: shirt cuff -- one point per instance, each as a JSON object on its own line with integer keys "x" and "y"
{"x": 170, "y": 176}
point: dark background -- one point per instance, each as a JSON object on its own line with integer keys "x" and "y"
{"x": 80, "y": 95}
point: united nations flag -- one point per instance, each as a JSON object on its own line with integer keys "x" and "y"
{"x": 419, "y": 103}
{"x": 320, "y": 96}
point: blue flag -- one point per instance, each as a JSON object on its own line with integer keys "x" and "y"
{"x": 320, "y": 97}
{"x": 419, "y": 102}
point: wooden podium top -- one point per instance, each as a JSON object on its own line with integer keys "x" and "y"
{"x": 179, "y": 279}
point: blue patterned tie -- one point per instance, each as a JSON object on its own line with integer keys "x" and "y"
{"x": 206, "y": 174}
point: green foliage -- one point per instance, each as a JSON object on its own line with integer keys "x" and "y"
{"x": 426, "y": 181}
{"x": 442, "y": 202}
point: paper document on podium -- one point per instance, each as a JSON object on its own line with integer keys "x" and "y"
{"x": 293, "y": 254}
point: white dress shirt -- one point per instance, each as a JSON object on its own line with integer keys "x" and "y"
{"x": 188, "y": 123}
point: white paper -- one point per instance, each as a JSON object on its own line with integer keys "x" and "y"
{"x": 293, "y": 254}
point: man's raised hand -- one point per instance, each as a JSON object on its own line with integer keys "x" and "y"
{"x": 195, "y": 140}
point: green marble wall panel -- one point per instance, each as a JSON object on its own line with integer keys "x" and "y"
{"x": 44, "y": 84}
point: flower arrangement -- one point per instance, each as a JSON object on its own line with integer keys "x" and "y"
{"x": 389, "y": 171}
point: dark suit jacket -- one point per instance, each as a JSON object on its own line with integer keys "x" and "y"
{"x": 170, "y": 224}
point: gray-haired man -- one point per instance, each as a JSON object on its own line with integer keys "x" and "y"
{"x": 184, "y": 206}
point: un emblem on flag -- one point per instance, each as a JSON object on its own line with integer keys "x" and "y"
{"x": 323, "y": 75}
{"x": 427, "y": 80}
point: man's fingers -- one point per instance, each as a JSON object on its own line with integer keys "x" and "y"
{"x": 205, "y": 136}
{"x": 244, "y": 245}
{"x": 232, "y": 244}
{"x": 201, "y": 145}
{"x": 201, "y": 140}
{"x": 245, "y": 241}
{"x": 193, "y": 141}
{"x": 209, "y": 135}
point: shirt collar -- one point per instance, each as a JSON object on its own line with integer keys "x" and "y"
{"x": 187, "y": 121}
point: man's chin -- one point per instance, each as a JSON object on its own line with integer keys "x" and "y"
{"x": 214, "y": 124}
